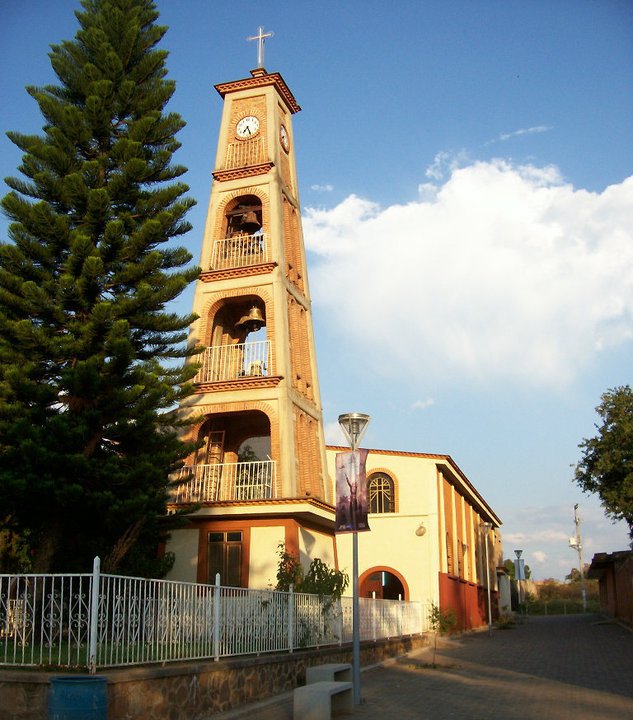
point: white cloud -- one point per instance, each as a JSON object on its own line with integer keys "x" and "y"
{"x": 444, "y": 163}
{"x": 322, "y": 188}
{"x": 540, "y": 535}
{"x": 539, "y": 556}
{"x": 518, "y": 133}
{"x": 422, "y": 404}
{"x": 500, "y": 272}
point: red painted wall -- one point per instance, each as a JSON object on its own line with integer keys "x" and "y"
{"x": 469, "y": 601}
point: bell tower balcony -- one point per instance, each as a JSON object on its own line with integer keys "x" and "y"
{"x": 211, "y": 483}
{"x": 233, "y": 461}
{"x": 239, "y": 251}
{"x": 219, "y": 363}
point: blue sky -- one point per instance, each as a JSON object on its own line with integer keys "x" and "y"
{"x": 466, "y": 182}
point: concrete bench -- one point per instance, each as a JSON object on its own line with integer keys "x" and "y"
{"x": 329, "y": 672}
{"x": 322, "y": 700}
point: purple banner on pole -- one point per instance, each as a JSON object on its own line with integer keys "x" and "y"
{"x": 351, "y": 492}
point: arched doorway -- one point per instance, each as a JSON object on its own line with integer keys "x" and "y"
{"x": 387, "y": 583}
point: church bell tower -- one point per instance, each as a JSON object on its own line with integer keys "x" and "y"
{"x": 259, "y": 474}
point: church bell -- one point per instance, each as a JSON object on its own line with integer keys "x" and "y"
{"x": 251, "y": 322}
{"x": 250, "y": 223}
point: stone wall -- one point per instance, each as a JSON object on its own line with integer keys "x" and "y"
{"x": 191, "y": 691}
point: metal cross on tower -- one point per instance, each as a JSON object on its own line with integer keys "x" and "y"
{"x": 261, "y": 38}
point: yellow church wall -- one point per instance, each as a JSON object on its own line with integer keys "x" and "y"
{"x": 184, "y": 545}
{"x": 404, "y": 542}
{"x": 263, "y": 562}
{"x": 313, "y": 545}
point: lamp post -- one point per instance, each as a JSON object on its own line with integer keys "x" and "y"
{"x": 519, "y": 574}
{"x": 486, "y": 528}
{"x": 354, "y": 426}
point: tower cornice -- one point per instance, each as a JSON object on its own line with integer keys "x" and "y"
{"x": 261, "y": 79}
{"x": 242, "y": 172}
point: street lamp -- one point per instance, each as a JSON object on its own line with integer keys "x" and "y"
{"x": 519, "y": 574}
{"x": 354, "y": 426}
{"x": 486, "y": 528}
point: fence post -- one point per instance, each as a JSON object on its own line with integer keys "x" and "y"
{"x": 94, "y": 616}
{"x": 340, "y": 621}
{"x": 373, "y": 614}
{"x": 400, "y": 614}
{"x": 291, "y": 618}
{"x": 216, "y": 618}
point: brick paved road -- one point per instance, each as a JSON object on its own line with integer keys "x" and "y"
{"x": 552, "y": 668}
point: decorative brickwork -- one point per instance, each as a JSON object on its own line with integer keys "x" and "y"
{"x": 239, "y": 173}
{"x": 259, "y": 81}
{"x": 300, "y": 348}
{"x": 286, "y": 175}
{"x": 307, "y": 442}
{"x": 285, "y": 167}
{"x": 232, "y": 273}
{"x": 292, "y": 245}
{"x": 248, "y": 382}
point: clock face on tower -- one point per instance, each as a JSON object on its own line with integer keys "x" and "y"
{"x": 283, "y": 138}
{"x": 247, "y": 127}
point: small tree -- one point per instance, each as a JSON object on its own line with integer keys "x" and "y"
{"x": 441, "y": 622}
{"x": 606, "y": 466}
{"x": 86, "y": 344}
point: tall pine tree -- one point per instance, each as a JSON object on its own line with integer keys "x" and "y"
{"x": 90, "y": 359}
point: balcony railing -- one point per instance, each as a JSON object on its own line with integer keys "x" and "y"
{"x": 227, "y": 481}
{"x": 239, "y": 251}
{"x": 227, "y": 362}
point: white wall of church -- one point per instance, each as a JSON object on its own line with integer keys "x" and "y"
{"x": 184, "y": 544}
{"x": 315, "y": 545}
{"x": 264, "y": 556}
{"x": 392, "y": 542}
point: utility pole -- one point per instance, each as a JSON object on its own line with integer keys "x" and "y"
{"x": 575, "y": 542}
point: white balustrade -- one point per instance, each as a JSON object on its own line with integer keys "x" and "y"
{"x": 228, "y": 362}
{"x": 239, "y": 251}
{"x": 227, "y": 481}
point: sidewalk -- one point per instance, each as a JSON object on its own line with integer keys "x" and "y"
{"x": 549, "y": 668}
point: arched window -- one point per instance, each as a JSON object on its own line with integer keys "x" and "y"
{"x": 381, "y": 492}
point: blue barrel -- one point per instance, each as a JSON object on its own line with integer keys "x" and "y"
{"x": 78, "y": 697}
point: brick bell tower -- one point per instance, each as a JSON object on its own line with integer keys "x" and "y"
{"x": 259, "y": 474}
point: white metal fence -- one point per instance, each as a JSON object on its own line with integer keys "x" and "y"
{"x": 97, "y": 620}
